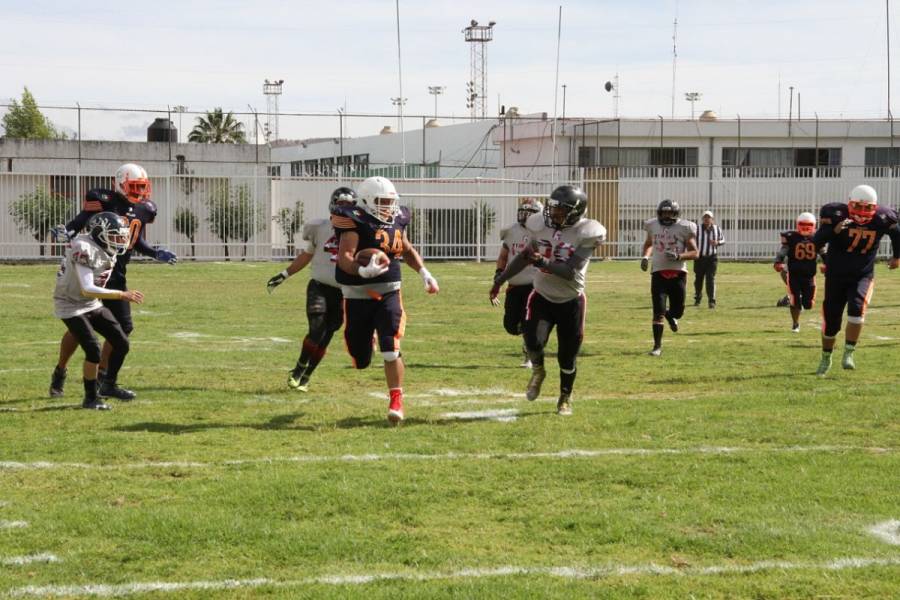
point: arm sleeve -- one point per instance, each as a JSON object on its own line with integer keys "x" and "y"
{"x": 894, "y": 234}
{"x": 782, "y": 254}
{"x": 515, "y": 266}
{"x": 89, "y": 289}
{"x": 74, "y": 226}
{"x": 567, "y": 269}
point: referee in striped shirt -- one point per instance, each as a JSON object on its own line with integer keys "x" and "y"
{"x": 709, "y": 238}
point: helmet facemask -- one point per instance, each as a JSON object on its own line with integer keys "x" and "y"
{"x": 384, "y": 209}
{"x": 861, "y": 211}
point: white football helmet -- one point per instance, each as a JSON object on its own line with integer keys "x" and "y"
{"x": 528, "y": 207}
{"x": 379, "y": 198}
{"x": 806, "y": 223}
{"x": 862, "y": 204}
{"x": 133, "y": 183}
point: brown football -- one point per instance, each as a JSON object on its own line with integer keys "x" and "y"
{"x": 364, "y": 256}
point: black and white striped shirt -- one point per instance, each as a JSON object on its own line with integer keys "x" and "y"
{"x": 705, "y": 235}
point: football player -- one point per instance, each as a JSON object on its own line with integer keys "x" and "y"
{"x": 561, "y": 241}
{"x": 799, "y": 251}
{"x": 130, "y": 199}
{"x": 852, "y": 232}
{"x": 81, "y": 284}
{"x": 372, "y": 300}
{"x": 324, "y": 301}
{"x": 514, "y": 239}
{"x": 671, "y": 242}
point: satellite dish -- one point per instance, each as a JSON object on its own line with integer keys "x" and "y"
{"x": 608, "y": 86}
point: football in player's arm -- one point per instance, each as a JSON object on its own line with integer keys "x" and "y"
{"x": 324, "y": 301}
{"x": 796, "y": 261}
{"x": 372, "y": 291}
{"x": 670, "y": 242}
{"x": 513, "y": 240}
{"x": 80, "y": 287}
{"x": 561, "y": 243}
{"x": 130, "y": 199}
{"x": 853, "y": 232}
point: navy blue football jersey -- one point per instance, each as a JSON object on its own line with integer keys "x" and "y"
{"x": 387, "y": 237}
{"x": 138, "y": 217}
{"x": 853, "y": 250}
{"x": 801, "y": 253}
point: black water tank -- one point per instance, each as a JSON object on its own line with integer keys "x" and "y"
{"x": 162, "y": 130}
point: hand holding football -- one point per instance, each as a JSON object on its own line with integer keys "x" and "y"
{"x": 364, "y": 257}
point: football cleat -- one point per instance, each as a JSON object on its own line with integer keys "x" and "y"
{"x": 785, "y": 301}
{"x": 395, "y": 409}
{"x": 673, "y": 323}
{"x": 299, "y": 380}
{"x": 847, "y": 361}
{"x": 110, "y": 389}
{"x": 564, "y": 405}
{"x": 824, "y": 364}
{"x": 796, "y": 328}
{"x": 94, "y": 404}
{"x": 656, "y": 352}
{"x": 696, "y": 301}
{"x": 534, "y": 384}
{"x": 57, "y": 383}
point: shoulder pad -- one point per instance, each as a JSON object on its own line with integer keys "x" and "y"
{"x": 589, "y": 229}
{"x": 403, "y": 216}
{"x": 347, "y": 217}
{"x": 833, "y": 212}
{"x": 504, "y": 231}
{"x": 689, "y": 225}
{"x": 786, "y": 236}
{"x": 98, "y": 199}
{"x": 886, "y": 215}
{"x": 535, "y": 222}
{"x": 648, "y": 224}
{"x": 309, "y": 229}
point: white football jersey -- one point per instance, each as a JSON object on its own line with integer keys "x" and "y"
{"x": 559, "y": 245}
{"x": 322, "y": 243}
{"x": 515, "y": 237}
{"x": 67, "y": 299}
{"x": 673, "y": 238}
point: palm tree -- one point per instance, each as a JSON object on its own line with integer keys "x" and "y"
{"x": 218, "y": 128}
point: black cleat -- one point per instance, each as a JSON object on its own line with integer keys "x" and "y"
{"x": 673, "y": 323}
{"x": 95, "y": 404}
{"x": 785, "y": 301}
{"x": 57, "y": 383}
{"x": 110, "y": 389}
{"x": 696, "y": 301}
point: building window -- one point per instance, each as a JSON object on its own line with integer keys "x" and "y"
{"x": 274, "y": 170}
{"x": 650, "y": 162}
{"x": 781, "y": 162}
{"x": 587, "y": 156}
{"x": 878, "y": 160}
{"x": 296, "y": 168}
{"x": 311, "y": 167}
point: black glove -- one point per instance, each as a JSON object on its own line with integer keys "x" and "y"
{"x": 645, "y": 263}
{"x": 274, "y": 282}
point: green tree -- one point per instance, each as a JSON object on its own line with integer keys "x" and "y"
{"x": 290, "y": 220}
{"x": 38, "y": 212}
{"x": 25, "y": 120}
{"x": 218, "y": 128}
{"x": 234, "y": 214}
{"x": 187, "y": 223}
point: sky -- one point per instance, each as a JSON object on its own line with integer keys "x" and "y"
{"x": 203, "y": 54}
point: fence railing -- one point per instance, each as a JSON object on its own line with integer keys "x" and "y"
{"x": 258, "y": 217}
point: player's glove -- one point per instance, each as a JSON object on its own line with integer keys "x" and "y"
{"x": 274, "y": 282}
{"x": 373, "y": 269}
{"x": 778, "y": 267}
{"x": 59, "y": 234}
{"x": 672, "y": 255}
{"x": 495, "y": 291}
{"x": 645, "y": 263}
{"x": 163, "y": 255}
{"x": 431, "y": 284}
{"x": 822, "y": 268}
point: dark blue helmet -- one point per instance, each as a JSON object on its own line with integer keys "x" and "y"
{"x": 565, "y": 206}
{"x": 342, "y": 195}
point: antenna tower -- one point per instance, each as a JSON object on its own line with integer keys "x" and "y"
{"x": 272, "y": 90}
{"x": 476, "y": 88}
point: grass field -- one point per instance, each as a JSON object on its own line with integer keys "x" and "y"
{"x": 723, "y": 469}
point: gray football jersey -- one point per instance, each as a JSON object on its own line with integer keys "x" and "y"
{"x": 67, "y": 299}
{"x": 323, "y": 245}
{"x": 672, "y": 237}
{"x": 560, "y": 245}
{"x": 515, "y": 237}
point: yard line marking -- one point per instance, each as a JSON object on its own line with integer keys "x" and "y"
{"x": 450, "y": 392}
{"x": 27, "y": 560}
{"x": 13, "y": 524}
{"x": 504, "y": 415}
{"x": 450, "y": 456}
{"x": 889, "y": 532}
{"x": 652, "y": 569}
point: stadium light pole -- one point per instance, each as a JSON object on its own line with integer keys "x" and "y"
{"x": 436, "y": 90}
{"x": 692, "y": 97}
{"x": 399, "y": 102}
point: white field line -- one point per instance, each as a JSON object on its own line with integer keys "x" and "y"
{"x": 889, "y": 532}
{"x": 13, "y": 524}
{"x": 503, "y": 415}
{"x": 27, "y": 560}
{"x": 651, "y": 569}
{"x": 449, "y": 393}
{"x": 450, "y": 456}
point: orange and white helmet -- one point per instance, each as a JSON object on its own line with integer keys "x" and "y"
{"x": 379, "y": 198}
{"x": 133, "y": 183}
{"x": 862, "y": 204}
{"x": 806, "y": 223}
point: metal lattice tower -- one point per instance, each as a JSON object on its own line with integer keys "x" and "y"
{"x": 272, "y": 90}
{"x": 476, "y": 88}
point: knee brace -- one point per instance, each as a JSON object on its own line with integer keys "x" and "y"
{"x": 390, "y": 356}
{"x": 856, "y": 320}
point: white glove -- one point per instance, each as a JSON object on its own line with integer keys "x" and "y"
{"x": 59, "y": 234}
{"x": 373, "y": 269}
{"x": 672, "y": 255}
{"x": 431, "y": 284}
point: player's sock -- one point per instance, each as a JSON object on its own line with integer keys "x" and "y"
{"x": 566, "y": 381}
{"x": 395, "y": 407}
{"x": 90, "y": 389}
{"x": 657, "y": 335}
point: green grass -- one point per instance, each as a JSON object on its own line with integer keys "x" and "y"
{"x": 209, "y": 365}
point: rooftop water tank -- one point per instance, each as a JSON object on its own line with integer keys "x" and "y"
{"x": 162, "y": 130}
